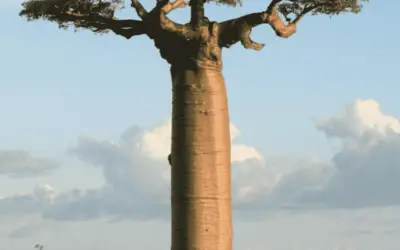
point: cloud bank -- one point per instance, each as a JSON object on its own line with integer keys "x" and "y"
{"x": 363, "y": 173}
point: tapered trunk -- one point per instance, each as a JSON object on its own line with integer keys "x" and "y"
{"x": 200, "y": 174}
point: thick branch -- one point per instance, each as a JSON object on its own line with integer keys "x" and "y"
{"x": 125, "y": 31}
{"x": 239, "y": 29}
{"x": 168, "y": 7}
{"x": 277, "y": 24}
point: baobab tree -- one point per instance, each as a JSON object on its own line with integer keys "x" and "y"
{"x": 200, "y": 150}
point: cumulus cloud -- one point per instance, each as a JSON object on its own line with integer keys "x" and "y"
{"x": 368, "y": 164}
{"x": 363, "y": 118}
{"x": 136, "y": 172}
{"x": 363, "y": 173}
{"x": 20, "y": 163}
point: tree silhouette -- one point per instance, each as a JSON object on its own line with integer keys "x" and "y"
{"x": 38, "y": 246}
{"x": 200, "y": 155}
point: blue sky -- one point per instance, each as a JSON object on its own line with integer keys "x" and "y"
{"x": 329, "y": 62}
{"x": 57, "y": 85}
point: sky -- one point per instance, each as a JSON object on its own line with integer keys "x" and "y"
{"x": 85, "y": 131}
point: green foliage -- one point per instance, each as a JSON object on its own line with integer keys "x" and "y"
{"x": 327, "y": 7}
{"x": 98, "y": 15}
{"x": 64, "y": 12}
{"x": 232, "y": 3}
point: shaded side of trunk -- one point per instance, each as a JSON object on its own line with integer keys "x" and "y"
{"x": 200, "y": 174}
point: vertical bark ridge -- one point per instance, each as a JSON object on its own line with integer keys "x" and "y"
{"x": 201, "y": 177}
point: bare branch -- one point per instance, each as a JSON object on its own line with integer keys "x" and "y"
{"x": 272, "y": 5}
{"x": 140, "y": 10}
{"x": 170, "y": 26}
{"x": 306, "y": 11}
{"x": 239, "y": 29}
{"x": 158, "y": 16}
{"x": 277, "y": 24}
{"x": 283, "y": 30}
{"x": 174, "y": 5}
{"x": 168, "y": 7}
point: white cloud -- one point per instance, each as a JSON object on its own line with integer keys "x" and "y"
{"x": 368, "y": 165}
{"x": 359, "y": 121}
{"x": 156, "y": 143}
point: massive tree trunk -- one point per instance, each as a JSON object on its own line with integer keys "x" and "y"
{"x": 201, "y": 177}
{"x": 200, "y": 156}
{"x": 200, "y": 151}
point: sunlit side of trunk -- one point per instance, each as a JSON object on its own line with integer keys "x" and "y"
{"x": 200, "y": 175}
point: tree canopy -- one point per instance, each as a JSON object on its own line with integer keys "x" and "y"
{"x": 99, "y": 16}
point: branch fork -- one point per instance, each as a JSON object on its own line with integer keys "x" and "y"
{"x": 239, "y": 29}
